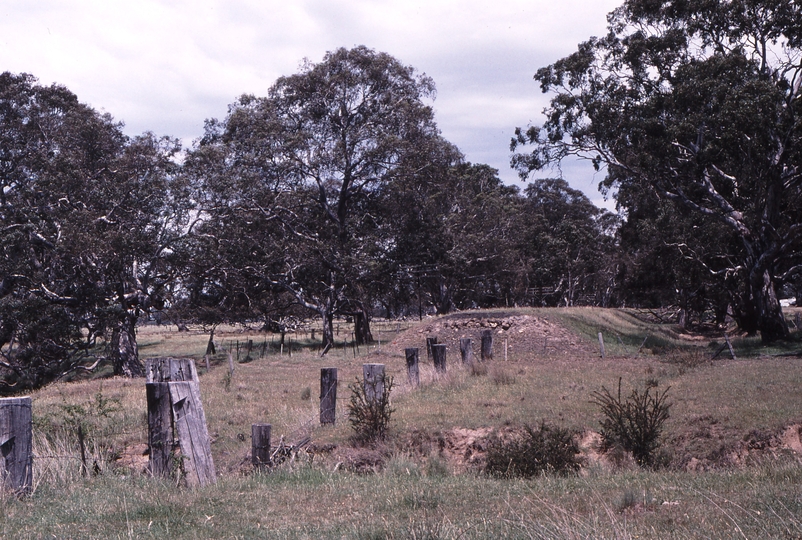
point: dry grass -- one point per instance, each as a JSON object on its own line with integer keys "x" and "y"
{"x": 717, "y": 405}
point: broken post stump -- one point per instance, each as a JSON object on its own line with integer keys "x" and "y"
{"x": 193, "y": 435}
{"x": 487, "y": 345}
{"x": 373, "y": 381}
{"x": 328, "y": 395}
{"x": 187, "y": 419}
{"x": 466, "y": 350}
{"x": 413, "y": 371}
{"x": 439, "y": 357}
{"x": 160, "y": 429}
{"x": 260, "y": 445}
{"x": 16, "y": 434}
{"x": 167, "y": 369}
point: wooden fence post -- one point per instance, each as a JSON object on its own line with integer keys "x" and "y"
{"x": 16, "y": 434}
{"x": 601, "y": 344}
{"x": 187, "y": 418}
{"x": 328, "y": 395}
{"x": 160, "y": 429}
{"x": 193, "y": 435}
{"x": 429, "y": 342}
{"x": 260, "y": 445}
{"x": 230, "y": 364}
{"x": 487, "y": 345}
{"x": 373, "y": 381}
{"x": 466, "y": 350}
{"x": 166, "y": 369}
{"x": 439, "y": 357}
{"x": 413, "y": 372}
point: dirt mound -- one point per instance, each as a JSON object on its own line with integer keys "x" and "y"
{"x": 524, "y": 334}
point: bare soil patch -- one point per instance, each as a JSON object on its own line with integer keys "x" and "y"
{"x": 526, "y": 335}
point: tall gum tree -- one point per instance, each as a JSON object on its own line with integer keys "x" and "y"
{"x": 697, "y": 101}
{"x": 305, "y": 163}
{"x": 88, "y": 218}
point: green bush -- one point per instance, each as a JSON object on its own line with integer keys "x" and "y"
{"x": 548, "y": 449}
{"x": 369, "y": 411}
{"x": 634, "y": 424}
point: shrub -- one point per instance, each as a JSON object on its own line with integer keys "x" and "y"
{"x": 548, "y": 449}
{"x": 635, "y": 424}
{"x": 369, "y": 410}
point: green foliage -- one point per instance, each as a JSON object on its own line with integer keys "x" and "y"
{"x": 690, "y": 102}
{"x": 547, "y": 449}
{"x": 636, "y": 423}
{"x": 369, "y": 409}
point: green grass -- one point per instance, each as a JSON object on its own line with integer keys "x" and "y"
{"x": 761, "y": 502}
{"x": 421, "y": 493}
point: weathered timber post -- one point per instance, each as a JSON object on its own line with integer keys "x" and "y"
{"x": 413, "y": 372}
{"x": 260, "y": 445}
{"x": 160, "y": 429}
{"x": 208, "y": 363}
{"x": 230, "y": 364}
{"x": 429, "y": 342}
{"x": 601, "y": 344}
{"x": 186, "y": 418}
{"x": 16, "y": 434}
{"x": 193, "y": 435}
{"x": 466, "y": 350}
{"x": 439, "y": 357}
{"x": 487, "y": 345}
{"x": 505, "y": 349}
{"x": 166, "y": 369}
{"x": 328, "y": 395}
{"x": 373, "y": 381}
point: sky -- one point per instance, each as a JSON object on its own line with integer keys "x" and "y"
{"x": 166, "y": 66}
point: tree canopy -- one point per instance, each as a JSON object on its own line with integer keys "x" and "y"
{"x": 698, "y": 102}
{"x": 87, "y": 218}
{"x": 303, "y": 167}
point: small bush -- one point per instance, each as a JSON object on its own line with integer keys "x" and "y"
{"x": 548, "y": 449}
{"x": 635, "y": 424}
{"x": 370, "y": 417}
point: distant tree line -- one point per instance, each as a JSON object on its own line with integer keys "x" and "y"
{"x": 335, "y": 195}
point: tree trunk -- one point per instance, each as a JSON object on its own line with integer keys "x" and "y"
{"x": 770, "y": 320}
{"x": 362, "y": 326}
{"x": 328, "y": 331}
{"x": 124, "y": 352}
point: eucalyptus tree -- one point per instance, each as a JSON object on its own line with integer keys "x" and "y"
{"x": 88, "y": 216}
{"x": 698, "y": 102}
{"x": 296, "y": 173}
{"x": 454, "y": 239}
{"x": 565, "y": 244}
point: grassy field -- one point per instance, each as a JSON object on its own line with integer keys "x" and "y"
{"x": 732, "y": 467}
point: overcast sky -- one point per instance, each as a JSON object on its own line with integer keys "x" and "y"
{"x": 165, "y": 66}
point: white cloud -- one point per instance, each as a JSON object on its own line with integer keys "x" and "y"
{"x": 167, "y": 65}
